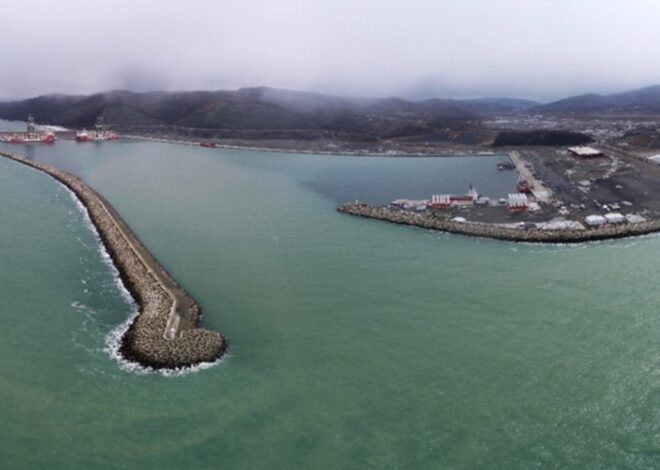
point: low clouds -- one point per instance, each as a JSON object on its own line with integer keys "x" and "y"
{"x": 539, "y": 49}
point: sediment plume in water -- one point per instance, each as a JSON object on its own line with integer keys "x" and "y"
{"x": 165, "y": 334}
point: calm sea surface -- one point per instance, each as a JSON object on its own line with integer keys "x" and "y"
{"x": 354, "y": 343}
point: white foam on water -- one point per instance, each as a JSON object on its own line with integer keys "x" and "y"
{"x": 105, "y": 256}
{"x": 113, "y": 339}
{"x": 113, "y": 344}
{"x": 79, "y": 336}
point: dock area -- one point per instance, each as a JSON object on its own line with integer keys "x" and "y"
{"x": 511, "y": 232}
{"x": 539, "y": 190}
{"x": 166, "y": 333}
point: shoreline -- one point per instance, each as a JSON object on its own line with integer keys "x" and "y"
{"x": 500, "y": 232}
{"x": 435, "y": 152}
{"x": 165, "y": 333}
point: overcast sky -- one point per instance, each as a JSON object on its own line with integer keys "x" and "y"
{"x": 540, "y": 49}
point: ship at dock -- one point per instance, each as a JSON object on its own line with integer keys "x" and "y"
{"x": 523, "y": 186}
{"x": 99, "y": 133}
{"x": 33, "y": 135}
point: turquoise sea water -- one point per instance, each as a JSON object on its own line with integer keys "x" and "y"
{"x": 354, "y": 343}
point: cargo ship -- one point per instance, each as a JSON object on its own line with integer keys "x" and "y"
{"x": 32, "y": 136}
{"x": 99, "y": 133}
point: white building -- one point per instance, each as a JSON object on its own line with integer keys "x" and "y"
{"x": 615, "y": 218}
{"x": 585, "y": 152}
{"x": 518, "y": 202}
{"x": 595, "y": 220}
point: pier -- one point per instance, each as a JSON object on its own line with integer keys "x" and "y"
{"x": 539, "y": 190}
{"x": 166, "y": 333}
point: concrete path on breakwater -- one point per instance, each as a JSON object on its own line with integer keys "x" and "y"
{"x": 165, "y": 334}
{"x": 181, "y": 301}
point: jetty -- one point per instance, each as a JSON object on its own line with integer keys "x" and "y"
{"x": 519, "y": 233}
{"x": 165, "y": 334}
{"x": 538, "y": 188}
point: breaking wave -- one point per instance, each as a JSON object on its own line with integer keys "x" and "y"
{"x": 113, "y": 338}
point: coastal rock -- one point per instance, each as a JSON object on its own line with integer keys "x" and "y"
{"x": 166, "y": 333}
{"x": 431, "y": 221}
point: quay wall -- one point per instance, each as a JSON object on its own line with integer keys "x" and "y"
{"x": 499, "y": 232}
{"x": 165, "y": 334}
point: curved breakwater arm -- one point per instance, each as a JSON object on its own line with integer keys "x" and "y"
{"x": 166, "y": 333}
{"x": 497, "y": 231}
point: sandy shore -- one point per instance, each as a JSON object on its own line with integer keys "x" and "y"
{"x": 165, "y": 333}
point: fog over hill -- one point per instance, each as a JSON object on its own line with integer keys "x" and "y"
{"x": 642, "y": 101}
{"x": 264, "y": 108}
{"x": 542, "y": 50}
{"x": 259, "y": 108}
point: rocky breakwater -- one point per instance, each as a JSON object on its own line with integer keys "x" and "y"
{"x": 165, "y": 334}
{"x": 434, "y": 221}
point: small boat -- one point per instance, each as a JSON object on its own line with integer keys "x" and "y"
{"x": 504, "y": 165}
{"x": 99, "y": 133}
{"x": 523, "y": 186}
{"x": 210, "y": 145}
{"x": 83, "y": 136}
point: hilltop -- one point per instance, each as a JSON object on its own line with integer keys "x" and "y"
{"x": 641, "y": 101}
{"x": 259, "y": 109}
{"x": 270, "y": 116}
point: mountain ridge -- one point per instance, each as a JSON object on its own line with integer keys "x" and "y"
{"x": 642, "y": 100}
{"x": 275, "y": 109}
{"x": 258, "y": 108}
